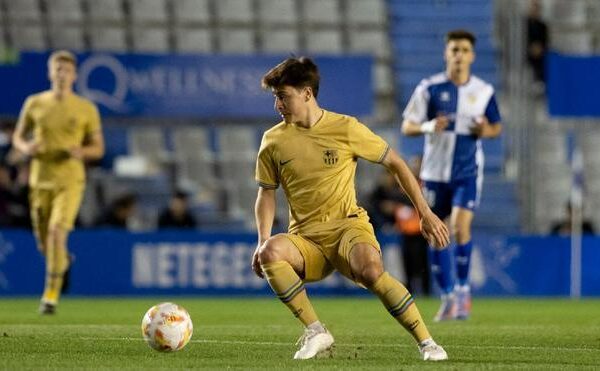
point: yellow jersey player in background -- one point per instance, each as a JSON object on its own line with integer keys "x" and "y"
{"x": 312, "y": 154}
{"x": 59, "y": 130}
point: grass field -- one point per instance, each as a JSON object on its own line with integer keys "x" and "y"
{"x": 260, "y": 334}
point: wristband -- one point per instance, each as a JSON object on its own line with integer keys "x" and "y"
{"x": 428, "y": 127}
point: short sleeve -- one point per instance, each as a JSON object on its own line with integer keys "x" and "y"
{"x": 366, "y": 144}
{"x": 416, "y": 110}
{"x": 491, "y": 111}
{"x": 266, "y": 172}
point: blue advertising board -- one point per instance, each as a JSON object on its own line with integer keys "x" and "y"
{"x": 198, "y": 86}
{"x": 572, "y": 85}
{"x": 110, "y": 262}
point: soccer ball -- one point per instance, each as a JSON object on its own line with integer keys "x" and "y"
{"x": 167, "y": 327}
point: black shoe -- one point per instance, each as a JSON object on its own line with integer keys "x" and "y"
{"x": 47, "y": 308}
{"x": 67, "y": 276}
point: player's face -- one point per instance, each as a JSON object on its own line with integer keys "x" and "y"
{"x": 62, "y": 73}
{"x": 459, "y": 54}
{"x": 290, "y": 102}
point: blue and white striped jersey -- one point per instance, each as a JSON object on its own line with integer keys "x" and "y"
{"x": 454, "y": 153}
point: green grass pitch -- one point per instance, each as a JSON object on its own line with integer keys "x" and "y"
{"x": 259, "y": 333}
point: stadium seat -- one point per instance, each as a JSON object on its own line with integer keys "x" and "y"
{"x": 569, "y": 12}
{"x": 28, "y": 37}
{"x": 236, "y": 40}
{"x": 369, "y": 12}
{"x": 108, "y": 38}
{"x": 64, "y": 11}
{"x": 284, "y": 41}
{"x": 236, "y": 139}
{"x": 148, "y": 142}
{"x": 235, "y": 11}
{"x": 579, "y": 42}
{"x": 148, "y": 11}
{"x": 105, "y": 11}
{"x": 324, "y": 12}
{"x": 191, "y": 141}
{"x": 324, "y": 41}
{"x": 150, "y": 39}
{"x": 64, "y": 37}
{"x": 191, "y": 12}
{"x": 24, "y": 11}
{"x": 278, "y": 12}
{"x": 196, "y": 40}
{"x": 383, "y": 78}
{"x": 374, "y": 42}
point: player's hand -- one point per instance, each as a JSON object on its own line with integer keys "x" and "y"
{"x": 441, "y": 123}
{"x": 76, "y": 152}
{"x": 33, "y": 148}
{"x": 256, "y": 263}
{"x": 434, "y": 230}
{"x": 479, "y": 126}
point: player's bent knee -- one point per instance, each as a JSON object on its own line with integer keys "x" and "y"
{"x": 273, "y": 250}
{"x": 369, "y": 274}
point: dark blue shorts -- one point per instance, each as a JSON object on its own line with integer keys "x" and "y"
{"x": 441, "y": 197}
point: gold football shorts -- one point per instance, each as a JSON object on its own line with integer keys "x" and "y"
{"x": 328, "y": 249}
{"x": 55, "y": 206}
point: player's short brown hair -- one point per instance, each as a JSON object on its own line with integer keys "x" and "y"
{"x": 461, "y": 35}
{"x": 63, "y": 56}
{"x": 296, "y": 72}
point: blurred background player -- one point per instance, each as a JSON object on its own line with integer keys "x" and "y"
{"x": 312, "y": 153}
{"x": 59, "y": 130}
{"x": 453, "y": 109}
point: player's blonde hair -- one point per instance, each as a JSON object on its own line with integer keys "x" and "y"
{"x": 63, "y": 56}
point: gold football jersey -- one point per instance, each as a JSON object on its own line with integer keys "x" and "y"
{"x": 316, "y": 167}
{"x": 58, "y": 125}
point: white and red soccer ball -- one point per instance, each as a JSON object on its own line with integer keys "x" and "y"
{"x": 167, "y": 327}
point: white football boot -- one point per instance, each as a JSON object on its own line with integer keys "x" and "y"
{"x": 430, "y": 351}
{"x": 314, "y": 343}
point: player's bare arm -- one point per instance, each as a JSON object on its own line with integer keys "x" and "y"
{"x": 483, "y": 129}
{"x": 29, "y": 147}
{"x": 438, "y": 124}
{"x": 93, "y": 148}
{"x": 431, "y": 226}
{"x": 264, "y": 213}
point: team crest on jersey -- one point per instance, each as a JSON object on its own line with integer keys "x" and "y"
{"x": 472, "y": 98}
{"x": 330, "y": 157}
{"x": 445, "y": 96}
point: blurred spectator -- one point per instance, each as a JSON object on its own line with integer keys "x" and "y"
{"x": 177, "y": 213}
{"x": 383, "y": 202}
{"x": 563, "y": 227}
{"x": 537, "y": 40}
{"x": 14, "y": 200}
{"x": 119, "y": 213}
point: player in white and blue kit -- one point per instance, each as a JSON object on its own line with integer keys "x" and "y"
{"x": 453, "y": 109}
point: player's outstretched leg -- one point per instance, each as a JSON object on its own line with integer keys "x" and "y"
{"x": 441, "y": 267}
{"x": 400, "y": 304}
{"x": 289, "y": 288}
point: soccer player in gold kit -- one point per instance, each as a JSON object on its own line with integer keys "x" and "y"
{"x": 312, "y": 154}
{"x": 59, "y": 130}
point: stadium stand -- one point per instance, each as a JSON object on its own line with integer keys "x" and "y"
{"x": 376, "y": 27}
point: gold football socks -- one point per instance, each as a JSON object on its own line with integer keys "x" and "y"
{"x": 400, "y": 304}
{"x": 289, "y": 288}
